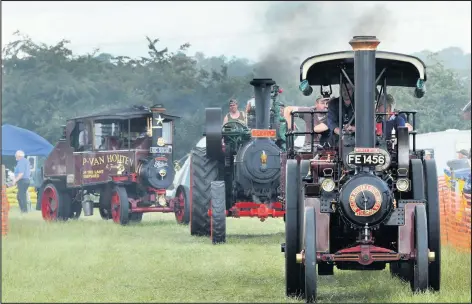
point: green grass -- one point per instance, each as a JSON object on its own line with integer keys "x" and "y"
{"x": 92, "y": 260}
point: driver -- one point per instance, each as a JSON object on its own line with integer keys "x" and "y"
{"x": 348, "y": 111}
{"x": 234, "y": 114}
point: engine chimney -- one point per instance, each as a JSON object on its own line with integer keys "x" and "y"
{"x": 157, "y": 121}
{"x": 262, "y": 89}
{"x": 364, "y": 92}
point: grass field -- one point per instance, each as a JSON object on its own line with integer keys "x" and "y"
{"x": 92, "y": 260}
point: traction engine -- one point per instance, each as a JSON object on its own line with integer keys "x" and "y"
{"x": 238, "y": 173}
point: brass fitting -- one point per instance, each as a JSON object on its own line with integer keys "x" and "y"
{"x": 299, "y": 258}
{"x": 431, "y": 256}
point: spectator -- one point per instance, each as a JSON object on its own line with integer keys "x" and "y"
{"x": 22, "y": 178}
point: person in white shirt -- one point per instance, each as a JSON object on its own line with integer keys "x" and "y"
{"x": 83, "y": 137}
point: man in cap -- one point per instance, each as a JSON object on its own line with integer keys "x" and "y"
{"x": 22, "y": 178}
{"x": 234, "y": 114}
{"x": 347, "y": 123}
{"x": 320, "y": 125}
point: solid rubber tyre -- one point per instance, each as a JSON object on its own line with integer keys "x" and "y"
{"x": 104, "y": 202}
{"x": 136, "y": 217}
{"x": 55, "y": 203}
{"x": 203, "y": 171}
{"x": 76, "y": 210}
{"x": 292, "y": 229}
{"x": 434, "y": 223}
{"x": 120, "y": 205}
{"x": 404, "y": 270}
{"x": 310, "y": 255}
{"x": 218, "y": 212}
{"x": 419, "y": 280}
{"x": 182, "y": 195}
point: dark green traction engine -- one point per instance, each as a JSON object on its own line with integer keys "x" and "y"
{"x": 237, "y": 174}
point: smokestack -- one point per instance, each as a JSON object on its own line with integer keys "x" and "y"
{"x": 364, "y": 92}
{"x": 262, "y": 88}
{"x": 157, "y": 122}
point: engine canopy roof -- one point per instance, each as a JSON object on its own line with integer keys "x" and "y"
{"x": 401, "y": 70}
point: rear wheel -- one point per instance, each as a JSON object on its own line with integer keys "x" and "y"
{"x": 218, "y": 212}
{"x": 136, "y": 217}
{"x": 434, "y": 223}
{"x": 55, "y": 203}
{"x": 76, "y": 210}
{"x": 203, "y": 171}
{"x": 182, "y": 215}
{"x": 119, "y": 205}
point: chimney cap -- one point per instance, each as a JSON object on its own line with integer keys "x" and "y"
{"x": 262, "y": 82}
{"x": 158, "y": 108}
{"x": 364, "y": 43}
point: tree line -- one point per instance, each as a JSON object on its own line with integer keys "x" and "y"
{"x": 43, "y": 85}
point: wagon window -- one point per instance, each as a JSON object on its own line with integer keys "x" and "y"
{"x": 108, "y": 134}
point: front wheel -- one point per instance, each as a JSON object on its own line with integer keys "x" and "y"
{"x": 310, "y": 255}
{"x": 218, "y": 212}
{"x": 419, "y": 280}
{"x": 120, "y": 205}
{"x": 182, "y": 213}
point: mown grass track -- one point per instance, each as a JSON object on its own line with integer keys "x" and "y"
{"x": 91, "y": 260}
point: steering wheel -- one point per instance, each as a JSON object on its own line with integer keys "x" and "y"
{"x": 234, "y": 126}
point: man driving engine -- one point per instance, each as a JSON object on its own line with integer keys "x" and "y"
{"x": 348, "y": 111}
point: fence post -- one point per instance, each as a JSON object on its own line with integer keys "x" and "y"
{"x": 5, "y": 204}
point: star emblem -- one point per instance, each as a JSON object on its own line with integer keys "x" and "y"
{"x": 159, "y": 122}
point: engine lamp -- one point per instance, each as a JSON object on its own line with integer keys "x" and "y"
{"x": 328, "y": 185}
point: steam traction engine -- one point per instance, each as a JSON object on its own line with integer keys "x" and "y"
{"x": 369, "y": 200}
{"x": 125, "y": 157}
{"x": 238, "y": 173}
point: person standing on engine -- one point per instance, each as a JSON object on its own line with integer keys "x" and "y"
{"x": 234, "y": 114}
{"x": 393, "y": 121}
{"x": 22, "y": 178}
{"x": 334, "y": 125}
{"x": 320, "y": 124}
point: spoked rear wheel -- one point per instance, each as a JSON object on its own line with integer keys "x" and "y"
{"x": 419, "y": 280}
{"x": 55, "y": 204}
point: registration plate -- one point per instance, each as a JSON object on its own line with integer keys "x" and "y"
{"x": 164, "y": 150}
{"x": 366, "y": 159}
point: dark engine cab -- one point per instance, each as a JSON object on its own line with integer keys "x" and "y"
{"x": 367, "y": 200}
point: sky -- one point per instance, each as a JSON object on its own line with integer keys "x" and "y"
{"x": 230, "y": 28}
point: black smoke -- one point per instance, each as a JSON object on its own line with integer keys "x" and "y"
{"x": 297, "y": 30}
